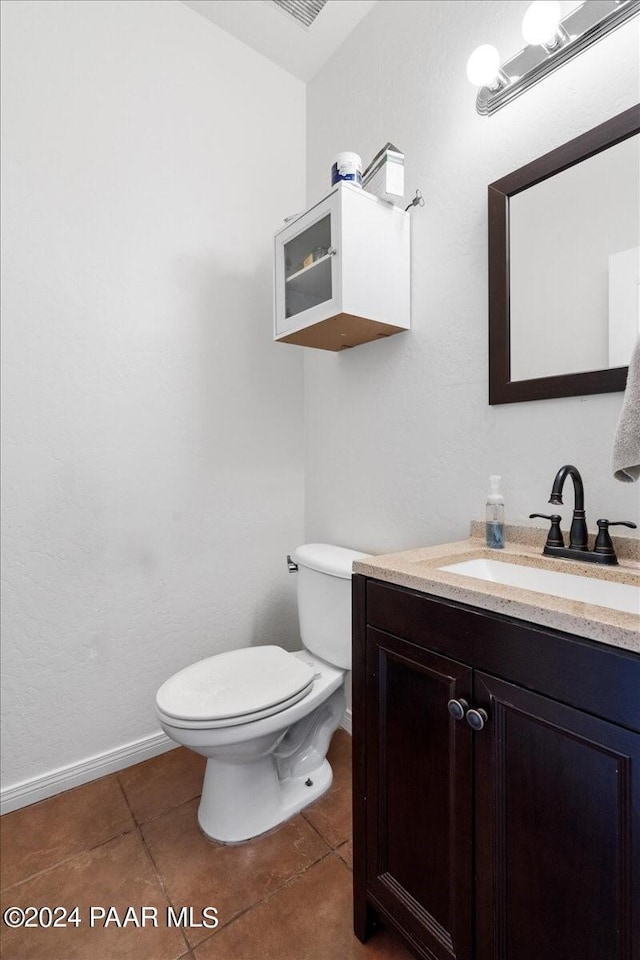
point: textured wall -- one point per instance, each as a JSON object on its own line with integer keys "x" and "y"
{"x": 152, "y": 431}
{"x": 400, "y": 439}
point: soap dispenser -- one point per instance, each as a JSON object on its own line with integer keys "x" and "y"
{"x": 495, "y": 515}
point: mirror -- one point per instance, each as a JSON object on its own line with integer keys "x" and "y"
{"x": 564, "y": 268}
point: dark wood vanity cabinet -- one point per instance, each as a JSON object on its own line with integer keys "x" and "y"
{"x": 419, "y": 811}
{"x": 517, "y": 841}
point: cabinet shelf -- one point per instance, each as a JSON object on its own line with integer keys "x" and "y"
{"x": 313, "y": 281}
{"x": 310, "y": 266}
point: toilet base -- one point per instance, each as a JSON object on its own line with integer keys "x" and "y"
{"x": 252, "y": 787}
{"x": 268, "y": 801}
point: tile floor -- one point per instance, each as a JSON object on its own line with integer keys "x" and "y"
{"x": 131, "y": 839}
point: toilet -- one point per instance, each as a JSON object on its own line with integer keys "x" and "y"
{"x": 264, "y": 717}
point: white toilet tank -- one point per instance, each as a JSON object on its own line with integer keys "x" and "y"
{"x": 324, "y": 600}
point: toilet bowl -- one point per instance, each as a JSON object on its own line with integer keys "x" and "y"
{"x": 264, "y": 717}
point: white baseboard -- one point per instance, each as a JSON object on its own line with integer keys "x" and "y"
{"x": 74, "y": 774}
{"x": 346, "y": 722}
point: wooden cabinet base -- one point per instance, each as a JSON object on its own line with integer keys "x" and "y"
{"x": 341, "y": 333}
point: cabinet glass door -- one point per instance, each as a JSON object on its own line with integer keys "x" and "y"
{"x": 307, "y": 267}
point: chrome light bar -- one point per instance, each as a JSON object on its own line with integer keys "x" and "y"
{"x": 579, "y": 30}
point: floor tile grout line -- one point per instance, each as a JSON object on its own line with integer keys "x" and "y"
{"x": 115, "y": 836}
{"x": 327, "y": 852}
{"x": 73, "y": 856}
{"x": 157, "y": 815}
{"x": 162, "y": 883}
{"x": 137, "y": 827}
{"x": 169, "y": 810}
{"x": 76, "y": 853}
{"x": 269, "y": 896}
{"x": 338, "y": 849}
{"x": 159, "y": 876}
{"x": 330, "y": 849}
{"x": 322, "y": 836}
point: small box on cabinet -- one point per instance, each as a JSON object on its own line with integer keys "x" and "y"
{"x": 384, "y": 177}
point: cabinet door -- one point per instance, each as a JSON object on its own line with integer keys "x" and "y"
{"x": 308, "y": 269}
{"x": 419, "y": 794}
{"x": 557, "y": 831}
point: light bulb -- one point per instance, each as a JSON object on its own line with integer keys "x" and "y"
{"x": 541, "y": 21}
{"x": 483, "y": 66}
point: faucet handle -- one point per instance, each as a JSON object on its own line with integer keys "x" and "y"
{"x": 603, "y": 543}
{"x": 554, "y": 537}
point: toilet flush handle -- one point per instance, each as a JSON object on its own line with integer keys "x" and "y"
{"x": 293, "y": 567}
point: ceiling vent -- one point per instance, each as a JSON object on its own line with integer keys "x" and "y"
{"x": 303, "y": 12}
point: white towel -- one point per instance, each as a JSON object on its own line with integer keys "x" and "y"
{"x": 626, "y": 445}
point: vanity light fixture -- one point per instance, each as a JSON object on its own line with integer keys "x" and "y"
{"x": 483, "y": 66}
{"x": 551, "y": 41}
{"x": 540, "y": 24}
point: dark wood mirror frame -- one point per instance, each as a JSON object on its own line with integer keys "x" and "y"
{"x": 501, "y": 388}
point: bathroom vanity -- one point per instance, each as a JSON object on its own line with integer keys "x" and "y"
{"x": 496, "y": 744}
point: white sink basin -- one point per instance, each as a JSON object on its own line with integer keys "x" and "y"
{"x": 602, "y": 593}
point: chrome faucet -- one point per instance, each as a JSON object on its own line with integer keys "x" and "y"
{"x": 578, "y": 549}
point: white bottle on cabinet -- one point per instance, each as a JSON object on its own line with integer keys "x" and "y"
{"x": 342, "y": 272}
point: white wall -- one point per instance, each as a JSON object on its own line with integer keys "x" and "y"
{"x": 152, "y": 431}
{"x": 400, "y": 439}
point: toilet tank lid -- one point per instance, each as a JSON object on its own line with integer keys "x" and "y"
{"x": 325, "y": 558}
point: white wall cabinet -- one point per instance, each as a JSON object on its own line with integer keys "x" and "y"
{"x": 342, "y": 272}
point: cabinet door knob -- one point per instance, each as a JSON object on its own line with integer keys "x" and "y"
{"x": 457, "y": 708}
{"x": 477, "y": 718}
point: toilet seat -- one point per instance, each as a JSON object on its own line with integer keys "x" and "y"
{"x": 212, "y": 724}
{"x": 235, "y": 687}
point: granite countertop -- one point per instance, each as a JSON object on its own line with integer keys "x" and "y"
{"x": 419, "y": 570}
